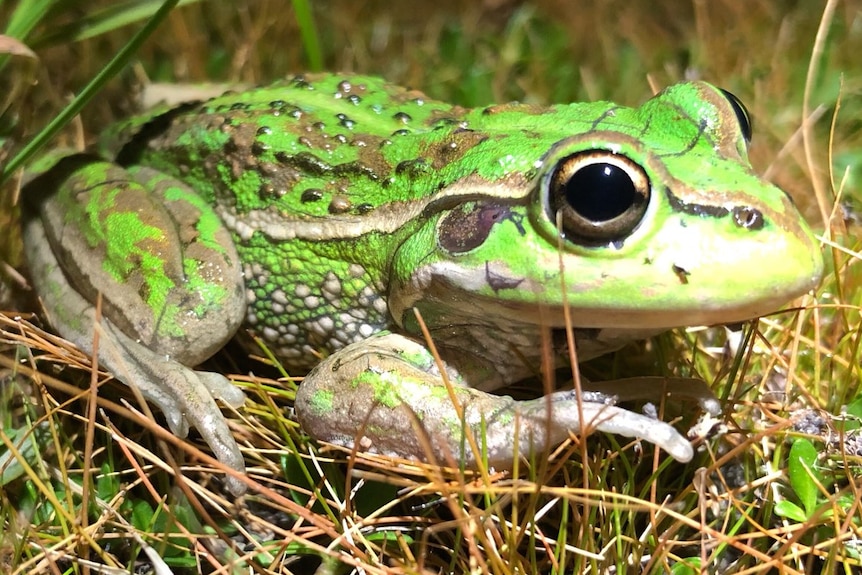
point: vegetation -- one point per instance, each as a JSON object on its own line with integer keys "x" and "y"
{"x": 88, "y": 483}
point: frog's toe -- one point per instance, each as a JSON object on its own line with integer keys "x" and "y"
{"x": 548, "y": 420}
{"x": 193, "y": 392}
{"x": 173, "y": 412}
{"x": 214, "y": 429}
{"x": 221, "y": 388}
{"x": 184, "y": 396}
{"x": 627, "y": 423}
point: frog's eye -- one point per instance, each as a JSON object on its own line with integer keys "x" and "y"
{"x": 742, "y": 115}
{"x": 598, "y": 197}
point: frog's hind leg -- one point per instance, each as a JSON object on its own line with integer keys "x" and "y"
{"x": 147, "y": 358}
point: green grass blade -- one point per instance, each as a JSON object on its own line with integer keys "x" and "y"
{"x": 109, "y": 71}
{"x": 26, "y": 16}
{"x": 103, "y": 20}
{"x": 308, "y": 33}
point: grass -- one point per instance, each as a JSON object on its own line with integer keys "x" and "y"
{"x": 88, "y": 481}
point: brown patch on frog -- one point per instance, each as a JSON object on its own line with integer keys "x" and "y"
{"x": 467, "y": 226}
{"x": 413, "y": 169}
{"x": 499, "y": 282}
{"x": 370, "y": 154}
{"x": 533, "y": 109}
{"x": 314, "y": 137}
{"x": 450, "y": 116}
{"x": 398, "y": 96}
{"x": 276, "y": 181}
{"x": 453, "y": 147}
{"x": 238, "y": 151}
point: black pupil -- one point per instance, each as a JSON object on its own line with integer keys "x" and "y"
{"x": 600, "y": 192}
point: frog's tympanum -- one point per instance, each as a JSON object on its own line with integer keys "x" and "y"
{"x": 323, "y": 213}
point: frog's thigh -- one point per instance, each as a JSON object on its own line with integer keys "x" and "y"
{"x": 385, "y": 394}
{"x": 163, "y": 262}
{"x": 108, "y": 242}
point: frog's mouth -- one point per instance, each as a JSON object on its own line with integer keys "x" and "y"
{"x": 492, "y": 295}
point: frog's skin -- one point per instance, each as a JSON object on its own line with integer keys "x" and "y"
{"x": 323, "y": 213}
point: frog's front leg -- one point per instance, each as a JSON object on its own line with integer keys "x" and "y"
{"x": 168, "y": 275}
{"x": 386, "y": 394}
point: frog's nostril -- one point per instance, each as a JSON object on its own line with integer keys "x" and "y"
{"x": 748, "y": 218}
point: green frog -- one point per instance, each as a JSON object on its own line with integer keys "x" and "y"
{"x": 336, "y": 216}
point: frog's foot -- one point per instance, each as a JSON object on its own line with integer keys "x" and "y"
{"x": 386, "y": 395}
{"x": 186, "y": 397}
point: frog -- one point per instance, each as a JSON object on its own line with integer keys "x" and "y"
{"x": 411, "y": 257}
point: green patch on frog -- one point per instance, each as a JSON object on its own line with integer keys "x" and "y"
{"x": 385, "y": 386}
{"x": 322, "y": 402}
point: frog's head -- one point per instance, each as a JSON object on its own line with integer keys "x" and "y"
{"x": 646, "y": 218}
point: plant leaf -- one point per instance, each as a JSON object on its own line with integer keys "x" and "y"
{"x": 790, "y": 510}
{"x": 802, "y": 473}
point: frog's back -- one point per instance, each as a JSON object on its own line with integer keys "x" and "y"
{"x": 313, "y": 147}
{"x": 332, "y": 145}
